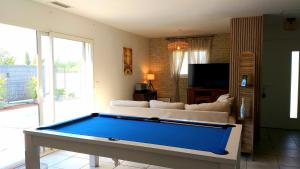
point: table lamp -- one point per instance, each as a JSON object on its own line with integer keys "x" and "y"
{"x": 150, "y": 77}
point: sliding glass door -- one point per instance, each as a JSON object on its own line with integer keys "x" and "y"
{"x": 66, "y": 77}
{"x": 44, "y": 78}
{"x": 18, "y": 97}
{"x": 69, "y": 78}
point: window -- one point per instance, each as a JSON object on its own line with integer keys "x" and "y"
{"x": 185, "y": 63}
{"x": 194, "y": 57}
{"x": 294, "y": 85}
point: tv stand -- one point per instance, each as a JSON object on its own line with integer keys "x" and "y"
{"x": 196, "y": 95}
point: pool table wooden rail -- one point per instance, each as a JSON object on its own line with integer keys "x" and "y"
{"x": 172, "y": 157}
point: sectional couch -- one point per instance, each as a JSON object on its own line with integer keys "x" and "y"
{"x": 218, "y": 111}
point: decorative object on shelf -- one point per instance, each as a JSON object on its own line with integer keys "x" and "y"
{"x": 178, "y": 45}
{"x": 243, "y": 110}
{"x": 127, "y": 60}
{"x": 150, "y": 77}
{"x": 244, "y": 81}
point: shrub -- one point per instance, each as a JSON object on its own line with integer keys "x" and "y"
{"x": 2, "y": 87}
{"x": 60, "y": 92}
{"x": 32, "y": 87}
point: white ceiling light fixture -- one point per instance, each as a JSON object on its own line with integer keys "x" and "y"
{"x": 178, "y": 45}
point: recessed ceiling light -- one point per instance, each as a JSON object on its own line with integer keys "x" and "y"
{"x": 60, "y": 4}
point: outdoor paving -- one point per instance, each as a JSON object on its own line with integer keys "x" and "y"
{"x": 12, "y": 123}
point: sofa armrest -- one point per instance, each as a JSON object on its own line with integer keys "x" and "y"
{"x": 231, "y": 120}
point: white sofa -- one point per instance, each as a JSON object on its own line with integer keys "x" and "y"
{"x": 144, "y": 109}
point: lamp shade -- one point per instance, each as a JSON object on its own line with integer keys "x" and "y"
{"x": 150, "y": 76}
{"x": 178, "y": 45}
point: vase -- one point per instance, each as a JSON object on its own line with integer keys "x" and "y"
{"x": 243, "y": 109}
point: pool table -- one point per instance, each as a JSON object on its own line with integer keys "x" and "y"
{"x": 164, "y": 142}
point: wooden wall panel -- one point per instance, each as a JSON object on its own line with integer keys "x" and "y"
{"x": 246, "y": 37}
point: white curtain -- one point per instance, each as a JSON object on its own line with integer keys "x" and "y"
{"x": 199, "y": 50}
{"x": 176, "y": 59}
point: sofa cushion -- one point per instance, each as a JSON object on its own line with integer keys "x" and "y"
{"x": 210, "y": 116}
{"x": 215, "y": 106}
{"x": 166, "y": 105}
{"x": 229, "y": 100}
{"x": 225, "y": 98}
{"x": 129, "y": 103}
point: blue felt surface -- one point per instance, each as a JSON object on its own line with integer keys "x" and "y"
{"x": 213, "y": 139}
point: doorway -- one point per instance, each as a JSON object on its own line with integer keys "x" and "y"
{"x": 69, "y": 78}
{"x": 66, "y": 78}
{"x": 18, "y": 97}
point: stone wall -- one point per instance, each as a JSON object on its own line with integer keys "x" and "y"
{"x": 160, "y": 66}
{"x": 220, "y": 50}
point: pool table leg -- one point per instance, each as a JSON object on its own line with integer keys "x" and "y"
{"x": 94, "y": 161}
{"x": 32, "y": 154}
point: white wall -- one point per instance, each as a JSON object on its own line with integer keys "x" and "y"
{"x": 109, "y": 81}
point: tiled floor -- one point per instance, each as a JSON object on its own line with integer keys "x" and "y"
{"x": 276, "y": 149}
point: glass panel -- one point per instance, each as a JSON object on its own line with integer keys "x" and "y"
{"x": 89, "y": 87}
{"x": 202, "y": 56}
{"x": 185, "y": 64}
{"x": 18, "y": 94}
{"x": 294, "y": 85}
{"x": 69, "y": 78}
{"x": 196, "y": 57}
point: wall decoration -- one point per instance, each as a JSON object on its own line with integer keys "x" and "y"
{"x": 127, "y": 60}
{"x": 243, "y": 112}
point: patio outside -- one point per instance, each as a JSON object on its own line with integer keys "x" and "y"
{"x": 12, "y": 122}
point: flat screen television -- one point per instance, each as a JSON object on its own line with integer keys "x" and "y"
{"x": 213, "y": 75}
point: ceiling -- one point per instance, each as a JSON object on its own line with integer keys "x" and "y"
{"x": 165, "y": 18}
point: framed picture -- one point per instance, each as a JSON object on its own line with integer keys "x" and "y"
{"x": 244, "y": 81}
{"x": 127, "y": 61}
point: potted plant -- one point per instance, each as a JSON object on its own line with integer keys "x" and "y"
{"x": 60, "y": 93}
